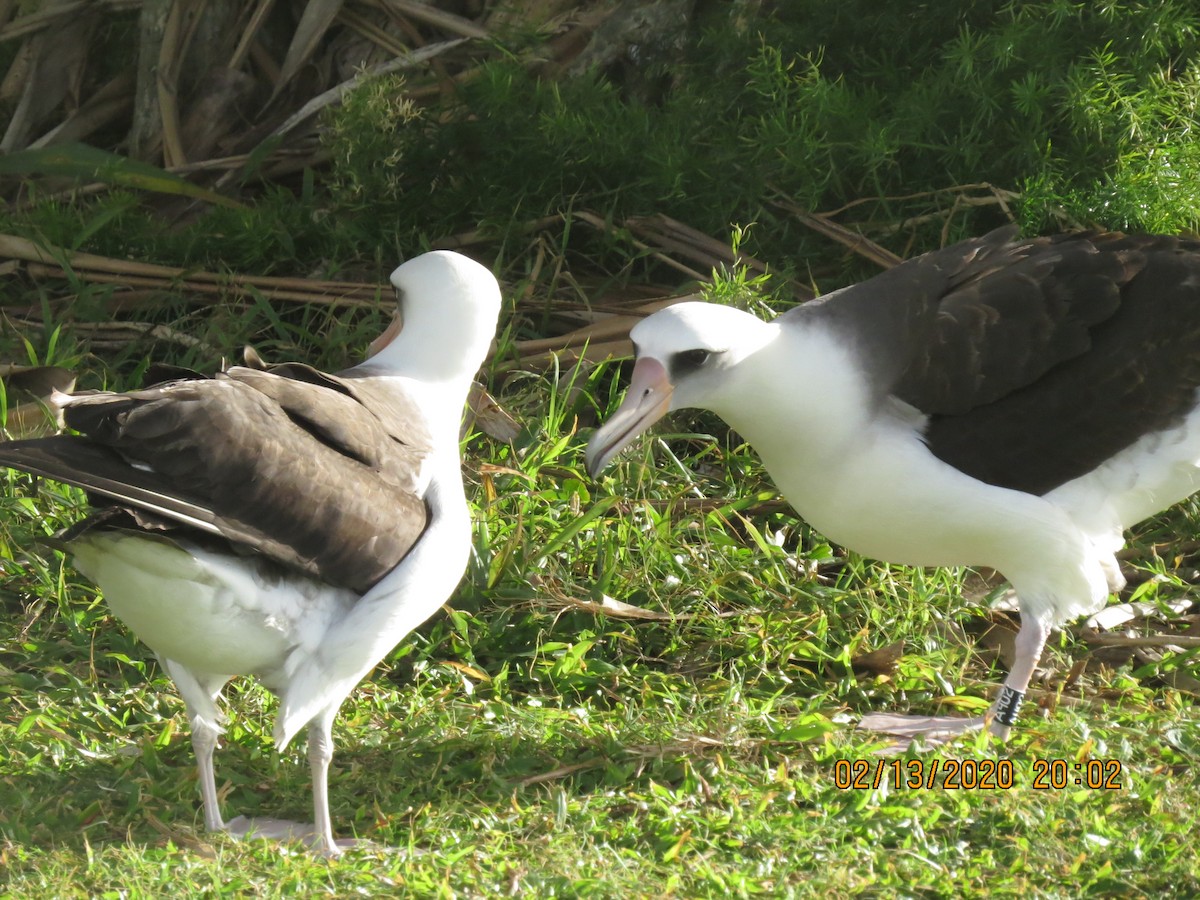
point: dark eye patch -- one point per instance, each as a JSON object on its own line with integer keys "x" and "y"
{"x": 687, "y": 361}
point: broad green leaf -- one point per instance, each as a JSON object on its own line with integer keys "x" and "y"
{"x": 92, "y": 164}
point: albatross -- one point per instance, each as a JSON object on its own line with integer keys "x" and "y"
{"x": 1014, "y": 404}
{"x": 283, "y": 523}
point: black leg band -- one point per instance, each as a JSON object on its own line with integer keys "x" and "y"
{"x": 1007, "y": 706}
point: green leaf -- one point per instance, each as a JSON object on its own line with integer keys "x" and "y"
{"x": 576, "y": 526}
{"x": 92, "y": 164}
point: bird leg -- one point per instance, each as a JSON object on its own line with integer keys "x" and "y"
{"x": 320, "y": 753}
{"x": 1031, "y": 639}
{"x": 200, "y": 695}
{"x": 999, "y": 719}
{"x": 319, "y": 834}
{"x": 204, "y": 742}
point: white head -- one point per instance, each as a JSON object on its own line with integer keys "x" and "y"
{"x": 687, "y": 355}
{"x": 445, "y": 319}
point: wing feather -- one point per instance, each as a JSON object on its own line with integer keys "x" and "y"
{"x": 298, "y": 470}
{"x": 1033, "y": 360}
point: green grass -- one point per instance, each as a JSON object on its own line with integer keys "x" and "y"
{"x": 523, "y": 747}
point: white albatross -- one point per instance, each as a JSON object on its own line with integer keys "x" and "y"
{"x": 1014, "y": 404}
{"x": 283, "y": 523}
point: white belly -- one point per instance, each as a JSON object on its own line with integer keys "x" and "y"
{"x": 889, "y": 498}
{"x": 209, "y": 612}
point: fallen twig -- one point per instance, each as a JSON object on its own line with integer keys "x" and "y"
{"x": 47, "y": 261}
{"x": 855, "y": 242}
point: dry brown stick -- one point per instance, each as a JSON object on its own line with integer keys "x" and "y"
{"x": 446, "y": 21}
{"x": 47, "y": 17}
{"x": 16, "y": 75}
{"x": 703, "y": 505}
{"x": 280, "y": 160}
{"x": 108, "y": 103}
{"x": 286, "y": 165}
{"x": 607, "y": 329}
{"x": 675, "y": 243}
{"x": 1003, "y": 197}
{"x": 335, "y": 93}
{"x": 220, "y": 163}
{"x": 596, "y": 352}
{"x": 856, "y": 242}
{"x": 617, "y": 307}
{"x": 411, "y": 32}
{"x": 315, "y": 20}
{"x": 1149, "y": 640}
{"x": 371, "y": 32}
{"x": 241, "y": 287}
{"x": 15, "y": 247}
{"x": 56, "y": 262}
{"x": 920, "y": 195}
{"x": 600, "y": 224}
{"x": 699, "y": 246}
{"x": 119, "y": 301}
{"x": 267, "y": 63}
{"x": 170, "y": 56}
{"x": 942, "y": 214}
{"x": 443, "y": 85}
{"x": 476, "y": 236}
{"x": 117, "y": 334}
{"x": 250, "y": 33}
{"x": 86, "y": 190}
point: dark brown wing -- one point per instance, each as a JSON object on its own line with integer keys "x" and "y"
{"x": 1037, "y": 360}
{"x": 301, "y": 472}
{"x": 1009, "y": 316}
{"x": 100, "y": 470}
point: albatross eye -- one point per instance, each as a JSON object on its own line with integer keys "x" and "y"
{"x": 688, "y": 361}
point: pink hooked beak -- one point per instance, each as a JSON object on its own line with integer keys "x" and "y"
{"x": 647, "y": 401}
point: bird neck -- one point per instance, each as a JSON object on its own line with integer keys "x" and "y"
{"x": 805, "y": 395}
{"x": 440, "y": 352}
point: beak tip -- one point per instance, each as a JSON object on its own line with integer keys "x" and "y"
{"x": 593, "y": 463}
{"x": 646, "y": 401}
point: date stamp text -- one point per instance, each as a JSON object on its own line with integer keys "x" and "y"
{"x": 976, "y": 774}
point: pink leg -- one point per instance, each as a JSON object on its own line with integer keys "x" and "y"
{"x": 1031, "y": 639}
{"x": 1003, "y": 713}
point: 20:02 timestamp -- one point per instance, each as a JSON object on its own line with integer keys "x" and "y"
{"x": 975, "y": 774}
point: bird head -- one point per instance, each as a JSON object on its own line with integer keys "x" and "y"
{"x": 687, "y": 356}
{"x": 447, "y": 307}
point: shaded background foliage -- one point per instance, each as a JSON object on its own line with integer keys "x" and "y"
{"x": 709, "y": 112}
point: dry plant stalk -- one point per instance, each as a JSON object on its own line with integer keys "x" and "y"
{"x": 46, "y": 261}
